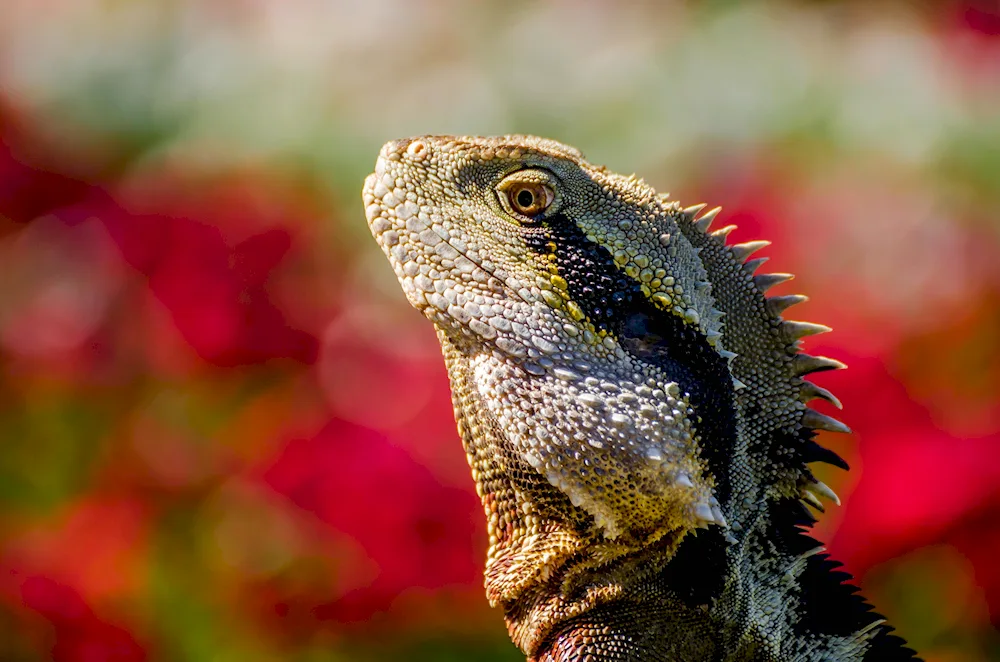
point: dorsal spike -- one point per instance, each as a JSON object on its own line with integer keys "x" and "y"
{"x": 813, "y": 452}
{"x": 795, "y": 330}
{"x": 693, "y": 210}
{"x": 871, "y": 626}
{"x": 817, "y": 421}
{"x": 706, "y": 219}
{"x": 812, "y": 500}
{"x": 777, "y": 305}
{"x": 821, "y": 489}
{"x": 753, "y": 265}
{"x": 810, "y": 391}
{"x": 764, "y": 282}
{"x": 742, "y": 251}
{"x": 804, "y": 364}
{"x": 812, "y": 552}
{"x": 722, "y": 233}
{"x": 805, "y": 516}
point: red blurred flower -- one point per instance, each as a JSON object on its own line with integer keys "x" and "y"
{"x": 80, "y": 635}
{"x": 98, "y": 546}
{"x": 418, "y": 532}
{"x": 920, "y": 482}
{"x": 982, "y": 16}
{"x": 214, "y": 283}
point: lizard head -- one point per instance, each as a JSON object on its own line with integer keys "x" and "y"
{"x": 507, "y": 209}
{"x": 581, "y": 310}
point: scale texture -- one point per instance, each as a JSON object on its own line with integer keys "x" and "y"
{"x": 632, "y": 406}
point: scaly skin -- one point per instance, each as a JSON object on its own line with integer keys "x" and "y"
{"x": 631, "y": 404}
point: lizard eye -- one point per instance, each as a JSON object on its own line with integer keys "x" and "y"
{"x": 527, "y": 196}
{"x": 530, "y": 198}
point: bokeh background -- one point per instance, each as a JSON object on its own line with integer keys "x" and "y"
{"x": 225, "y": 436}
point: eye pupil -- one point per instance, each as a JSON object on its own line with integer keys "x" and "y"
{"x": 525, "y": 198}
{"x": 528, "y": 200}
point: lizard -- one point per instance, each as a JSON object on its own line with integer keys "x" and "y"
{"x": 632, "y": 406}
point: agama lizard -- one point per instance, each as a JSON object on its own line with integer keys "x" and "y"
{"x": 632, "y": 406}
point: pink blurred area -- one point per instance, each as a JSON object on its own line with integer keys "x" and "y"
{"x": 225, "y": 435}
{"x": 179, "y": 326}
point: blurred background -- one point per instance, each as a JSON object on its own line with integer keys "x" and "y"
{"x": 225, "y": 436}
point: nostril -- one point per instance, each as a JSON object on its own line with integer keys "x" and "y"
{"x": 417, "y": 150}
{"x": 413, "y": 149}
{"x": 394, "y": 148}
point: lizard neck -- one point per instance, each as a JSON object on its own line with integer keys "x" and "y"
{"x": 566, "y": 590}
{"x": 716, "y": 599}
{"x": 549, "y": 567}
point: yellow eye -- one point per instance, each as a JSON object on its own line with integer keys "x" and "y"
{"x": 530, "y": 198}
{"x": 529, "y": 195}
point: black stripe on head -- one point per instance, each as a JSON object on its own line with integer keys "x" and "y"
{"x": 614, "y": 302}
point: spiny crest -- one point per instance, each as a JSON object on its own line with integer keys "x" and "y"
{"x": 811, "y": 489}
